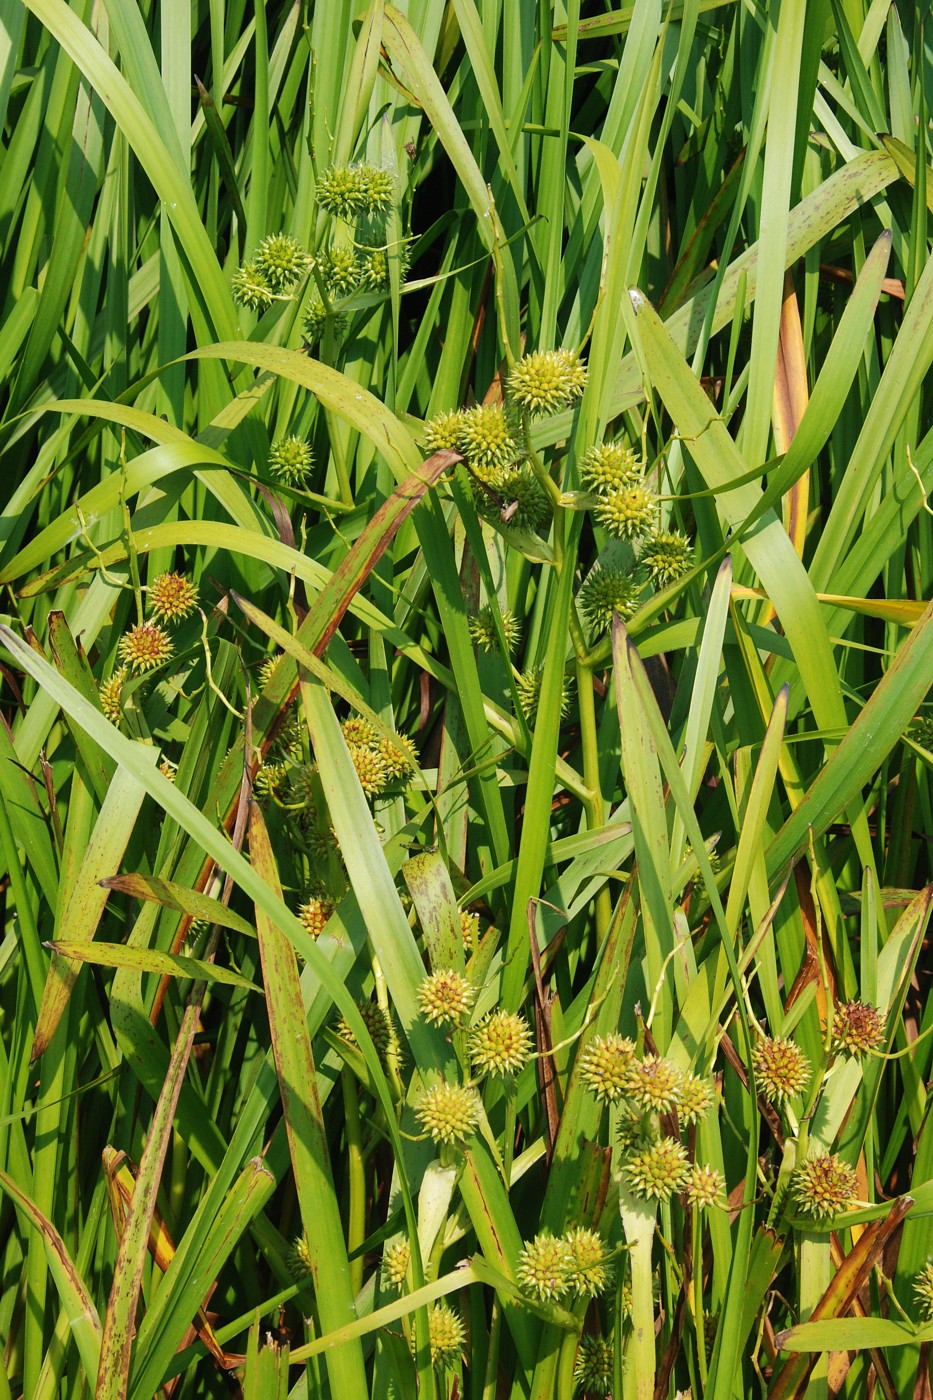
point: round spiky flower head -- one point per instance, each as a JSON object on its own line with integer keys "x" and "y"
{"x": 358, "y": 730}
{"x": 251, "y": 288}
{"x": 339, "y": 271}
{"x": 485, "y": 439}
{"x": 483, "y": 629}
{"x": 921, "y": 731}
{"x": 445, "y": 1331}
{"x": 605, "y": 592}
{"x": 314, "y": 914}
{"x": 442, "y": 433}
{"x": 315, "y": 323}
{"x": 269, "y": 779}
{"x": 445, "y": 997}
{"x": 705, "y": 1187}
{"x": 528, "y": 685}
{"x": 146, "y": 645}
{"x": 544, "y": 1267}
{"x": 395, "y": 1262}
{"x": 449, "y": 1113}
{"x": 628, "y": 512}
{"x": 655, "y": 1084}
{"x": 781, "y": 1068}
{"x": 547, "y": 380}
{"x": 500, "y": 1044}
{"x": 290, "y": 460}
{"x": 923, "y": 1290}
{"x": 605, "y": 1065}
{"x": 172, "y": 597}
{"x": 693, "y": 1098}
{"x": 519, "y": 502}
{"x": 111, "y": 692}
{"x": 281, "y": 260}
{"x": 589, "y": 1271}
{"x": 593, "y": 1368}
{"x": 299, "y": 1259}
{"x": 373, "y": 269}
{"x": 666, "y": 556}
{"x": 370, "y": 769}
{"x": 659, "y": 1170}
{"x": 340, "y": 190}
{"x": 469, "y": 928}
{"x": 377, "y": 188}
{"x": 609, "y": 467}
{"x": 376, "y": 1021}
{"x": 301, "y": 785}
{"x": 857, "y": 1028}
{"x": 824, "y": 1185}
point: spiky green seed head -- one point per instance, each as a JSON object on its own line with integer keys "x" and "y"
{"x": 373, "y": 269}
{"x": 923, "y": 1290}
{"x": 172, "y": 597}
{"x": 445, "y": 1332}
{"x": 377, "y": 188}
{"x": 521, "y": 504}
{"x": 281, "y": 260}
{"x": 628, "y": 512}
{"x": 339, "y": 271}
{"x": 693, "y": 1098}
{"x": 269, "y": 779}
{"x": 546, "y": 381}
{"x": 706, "y": 1187}
{"x": 483, "y": 629}
{"x": 528, "y": 686}
{"x": 395, "y": 1263}
{"x": 290, "y": 460}
{"x": 448, "y": 1113}
{"x": 593, "y": 1369}
{"x": 544, "y": 1267}
{"x": 469, "y": 929}
{"x": 858, "y": 1029}
{"x": 360, "y": 731}
{"x": 302, "y": 780}
{"x": 376, "y": 1021}
{"x": 608, "y": 467}
{"x": 605, "y": 1064}
{"x": 340, "y": 191}
{"x": 486, "y": 440}
{"x": 445, "y": 997}
{"x": 315, "y": 323}
{"x": 145, "y": 646}
{"x": 251, "y": 288}
{"x": 370, "y": 769}
{"x": 111, "y": 693}
{"x": 314, "y": 914}
{"x": 299, "y": 1260}
{"x": 399, "y": 756}
{"x": 782, "y": 1070}
{"x": 658, "y": 1170}
{"x": 589, "y": 1269}
{"x": 824, "y": 1185}
{"x": 666, "y": 556}
{"x": 500, "y": 1044}
{"x": 607, "y": 591}
{"x": 442, "y": 432}
{"x": 654, "y": 1084}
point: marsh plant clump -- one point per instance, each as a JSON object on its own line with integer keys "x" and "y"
{"x": 465, "y": 761}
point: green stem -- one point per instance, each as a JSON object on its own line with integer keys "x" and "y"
{"x": 356, "y": 1214}
{"x": 696, "y": 1224}
{"x": 593, "y": 805}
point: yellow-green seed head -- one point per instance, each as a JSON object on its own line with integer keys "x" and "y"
{"x": 858, "y": 1029}
{"x": 111, "y": 692}
{"x": 589, "y": 1270}
{"x": 528, "y": 686}
{"x": 628, "y": 512}
{"x": 449, "y": 1113}
{"x": 666, "y": 556}
{"x": 445, "y": 997}
{"x": 442, "y": 433}
{"x": 172, "y": 597}
{"x": 315, "y": 323}
{"x": 500, "y": 1044}
{"x": 705, "y": 1187}
{"x": 782, "y": 1070}
{"x": 824, "y": 1185}
{"x": 544, "y": 1267}
{"x": 145, "y": 646}
{"x": 485, "y": 439}
{"x": 469, "y": 928}
{"x": 923, "y": 1290}
{"x": 395, "y": 1263}
{"x": 290, "y": 460}
{"x": 376, "y": 1021}
{"x": 546, "y": 381}
{"x": 605, "y": 1064}
{"x": 607, "y": 591}
{"x": 658, "y": 1171}
{"x": 281, "y": 260}
{"x": 314, "y": 914}
{"x": 483, "y": 629}
{"x": 339, "y": 271}
{"x": 593, "y": 1369}
{"x": 609, "y": 467}
{"x": 445, "y": 1331}
{"x": 399, "y": 756}
{"x": 370, "y": 769}
{"x": 251, "y": 288}
{"x": 654, "y": 1084}
{"x": 693, "y": 1098}
{"x": 340, "y": 190}
{"x": 521, "y": 503}
{"x": 359, "y": 731}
